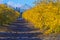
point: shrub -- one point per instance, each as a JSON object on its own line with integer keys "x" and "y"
{"x": 45, "y": 16}
{"x": 7, "y": 14}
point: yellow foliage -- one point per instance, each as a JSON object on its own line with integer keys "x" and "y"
{"x": 45, "y": 16}
{"x": 7, "y": 15}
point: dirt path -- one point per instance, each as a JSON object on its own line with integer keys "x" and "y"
{"x": 20, "y": 30}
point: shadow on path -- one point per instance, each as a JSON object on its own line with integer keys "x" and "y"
{"x": 20, "y": 30}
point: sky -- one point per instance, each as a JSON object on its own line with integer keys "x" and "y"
{"x": 18, "y": 3}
